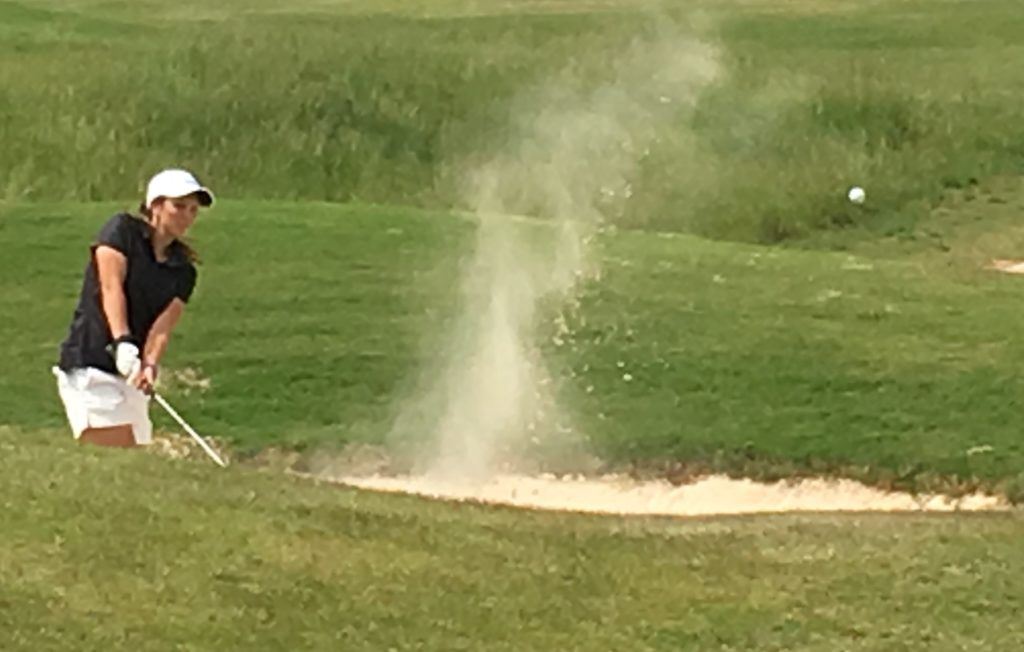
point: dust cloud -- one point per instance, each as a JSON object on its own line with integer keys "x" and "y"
{"x": 487, "y": 403}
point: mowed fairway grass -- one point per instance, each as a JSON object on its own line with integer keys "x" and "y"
{"x": 746, "y": 320}
{"x": 105, "y": 550}
{"x": 312, "y": 323}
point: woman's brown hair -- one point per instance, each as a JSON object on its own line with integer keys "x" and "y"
{"x": 146, "y": 215}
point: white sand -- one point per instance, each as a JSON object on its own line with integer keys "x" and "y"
{"x": 1008, "y": 266}
{"x": 712, "y": 495}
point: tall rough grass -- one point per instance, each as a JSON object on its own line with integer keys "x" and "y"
{"x": 905, "y": 100}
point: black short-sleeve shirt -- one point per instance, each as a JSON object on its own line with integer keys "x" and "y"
{"x": 149, "y": 287}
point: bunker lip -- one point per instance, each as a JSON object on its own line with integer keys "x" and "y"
{"x": 707, "y": 496}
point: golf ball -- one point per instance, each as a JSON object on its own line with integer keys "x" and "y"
{"x": 856, "y": 195}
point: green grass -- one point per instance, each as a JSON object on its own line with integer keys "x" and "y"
{"x": 107, "y": 549}
{"x": 391, "y": 103}
{"x": 312, "y": 323}
{"x": 875, "y": 349}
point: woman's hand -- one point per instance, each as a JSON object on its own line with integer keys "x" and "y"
{"x": 126, "y": 356}
{"x": 145, "y": 378}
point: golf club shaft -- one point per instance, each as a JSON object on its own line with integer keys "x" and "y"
{"x": 195, "y": 435}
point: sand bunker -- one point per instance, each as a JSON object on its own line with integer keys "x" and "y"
{"x": 1007, "y": 266}
{"x": 711, "y": 495}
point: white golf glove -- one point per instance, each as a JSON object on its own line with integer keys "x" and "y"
{"x": 126, "y": 358}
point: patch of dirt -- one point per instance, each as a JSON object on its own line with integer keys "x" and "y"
{"x": 354, "y": 459}
{"x": 180, "y": 446}
{"x": 187, "y": 380}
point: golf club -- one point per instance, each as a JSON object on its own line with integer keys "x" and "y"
{"x": 195, "y": 435}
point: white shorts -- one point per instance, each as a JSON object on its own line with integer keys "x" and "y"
{"x": 97, "y": 399}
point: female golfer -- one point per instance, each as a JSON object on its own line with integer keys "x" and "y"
{"x": 139, "y": 277}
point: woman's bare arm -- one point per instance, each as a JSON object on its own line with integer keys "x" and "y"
{"x": 111, "y": 268}
{"x": 160, "y": 333}
{"x": 156, "y": 344}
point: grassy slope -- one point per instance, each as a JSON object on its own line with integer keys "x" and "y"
{"x": 343, "y": 101}
{"x": 105, "y": 549}
{"x": 902, "y": 355}
{"x": 311, "y": 321}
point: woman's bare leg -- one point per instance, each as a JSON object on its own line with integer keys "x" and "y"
{"x": 118, "y": 436}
